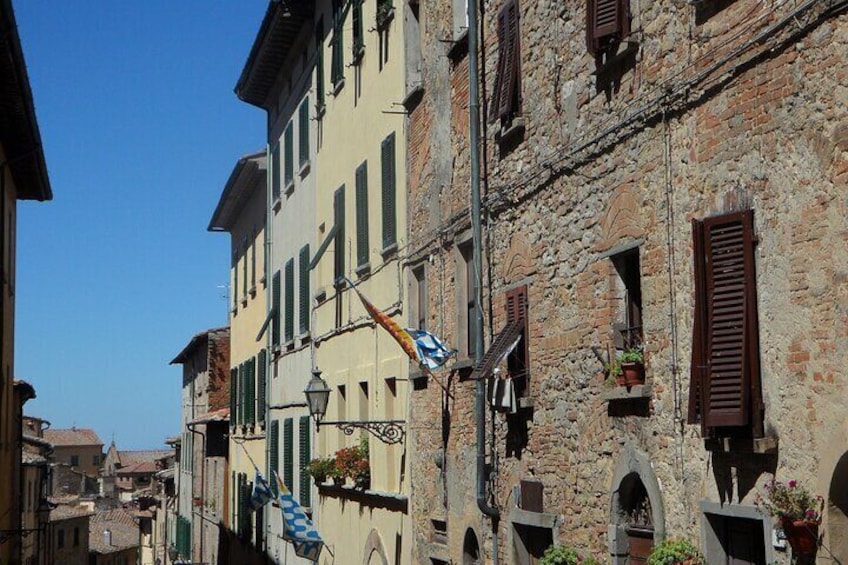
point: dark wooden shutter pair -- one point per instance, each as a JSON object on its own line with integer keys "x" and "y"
{"x": 289, "y": 153}
{"x": 305, "y": 299}
{"x": 362, "y": 214}
{"x": 516, "y": 311}
{"x": 250, "y": 396}
{"x": 319, "y": 65}
{"x": 358, "y": 33}
{"x": 233, "y": 395}
{"x": 507, "y": 92}
{"x": 337, "y": 70}
{"x": 338, "y": 247}
{"x": 725, "y": 371}
{"x": 275, "y": 322}
{"x": 276, "y": 173}
{"x": 607, "y": 23}
{"x": 288, "y": 454}
{"x": 274, "y": 454}
{"x": 305, "y": 454}
{"x": 289, "y": 327}
{"x": 387, "y": 155}
{"x": 262, "y": 361}
{"x": 303, "y": 132}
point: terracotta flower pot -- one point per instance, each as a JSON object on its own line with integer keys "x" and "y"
{"x": 634, "y": 374}
{"x": 803, "y": 536}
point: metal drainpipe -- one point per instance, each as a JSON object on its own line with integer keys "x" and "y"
{"x": 476, "y": 234}
{"x": 202, "y": 480}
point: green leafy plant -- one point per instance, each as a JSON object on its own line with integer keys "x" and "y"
{"x": 613, "y": 369}
{"x": 321, "y": 468}
{"x": 675, "y": 552}
{"x": 790, "y": 501}
{"x": 560, "y": 555}
{"x": 384, "y": 12}
{"x": 632, "y": 355}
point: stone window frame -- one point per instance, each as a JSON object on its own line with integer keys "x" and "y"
{"x": 711, "y": 544}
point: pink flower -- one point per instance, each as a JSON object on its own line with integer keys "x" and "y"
{"x": 793, "y": 483}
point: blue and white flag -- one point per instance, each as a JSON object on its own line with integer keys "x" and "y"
{"x": 432, "y": 352}
{"x": 297, "y": 527}
{"x": 261, "y": 494}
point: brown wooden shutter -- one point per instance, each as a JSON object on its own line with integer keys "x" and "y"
{"x": 698, "y": 366}
{"x": 516, "y": 311}
{"x": 607, "y": 22}
{"x": 729, "y": 388}
{"x": 505, "y": 93}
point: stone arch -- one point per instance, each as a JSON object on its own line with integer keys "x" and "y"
{"x": 621, "y": 220}
{"x": 837, "y": 510}
{"x": 375, "y": 553}
{"x": 635, "y": 497}
{"x": 471, "y": 548}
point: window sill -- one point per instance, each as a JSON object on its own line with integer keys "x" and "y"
{"x": 304, "y": 169}
{"x": 625, "y": 393}
{"x": 289, "y": 188}
{"x": 339, "y": 284}
{"x": 630, "y": 48}
{"x": 278, "y": 203}
{"x": 363, "y": 270}
{"x": 337, "y": 87}
{"x": 383, "y": 23}
{"x": 358, "y": 53}
{"x": 459, "y": 47}
{"x": 304, "y": 338}
{"x": 244, "y": 301}
{"x": 320, "y": 111}
{"x": 389, "y": 251}
{"x": 370, "y": 498}
{"x": 514, "y": 132}
{"x": 413, "y": 97}
{"x": 761, "y": 445}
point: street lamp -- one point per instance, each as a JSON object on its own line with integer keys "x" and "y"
{"x": 318, "y": 395}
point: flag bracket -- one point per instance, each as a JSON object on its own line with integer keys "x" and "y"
{"x": 387, "y": 431}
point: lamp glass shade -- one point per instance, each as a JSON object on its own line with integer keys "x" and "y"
{"x": 317, "y": 395}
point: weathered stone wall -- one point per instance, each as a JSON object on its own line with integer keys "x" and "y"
{"x": 701, "y": 120}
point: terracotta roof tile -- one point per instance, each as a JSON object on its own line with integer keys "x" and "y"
{"x": 123, "y": 528}
{"x": 72, "y": 436}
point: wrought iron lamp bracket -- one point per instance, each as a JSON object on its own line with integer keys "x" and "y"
{"x": 387, "y": 431}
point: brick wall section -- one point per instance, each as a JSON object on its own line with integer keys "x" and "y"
{"x": 219, "y": 370}
{"x": 765, "y": 129}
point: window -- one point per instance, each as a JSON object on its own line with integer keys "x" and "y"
{"x": 245, "y": 248}
{"x": 337, "y": 68}
{"x": 288, "y": 136}
{"x": 518, "y": 360}
{"x": 250, "y": 392}
{"x": 460, "y": 18}
{"x": 358, "y": 35}
{"x": 288, "y": 453}
{"x": 262, "y": 362}
{"x": 60, "y": 538}
{"x": 725, "y": 395}
{"x": 253, "y": 260}
{"x": 303, "y": 132}
{"x": 628, "y": 295}
{"x": 233, "y": 396}
{"x": 305, "y": 300}
{"x": 275, "y": 172}
{"x": 387, "y": 155}
{"x": 319, "y": 66}
{"x": 362, "y": 215}
{"x": 74, "y": 460}
{"x": 607, "y": 23}
{"x": 506, "y": 96}
{"x": 364, "y": 403}
{"x": 467, "y": 299}
{"x": 304, "y": 456}
{"x": 289, "y": 327}
{"x": 274, "y": 454}
{"x": 420, "y": 290}
{"x": 338, "y": 244}
{"x": 235, "y": 280}
{"x": 275, "y": 292}
{"x": 95, "y": 460}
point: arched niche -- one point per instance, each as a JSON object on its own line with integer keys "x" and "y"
{"x": 637, "y": 515}
{"x": 470, "y": 548}
{"x": 837, "y": 510}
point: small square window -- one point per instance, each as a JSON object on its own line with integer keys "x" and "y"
{"x": 74, "y": 460}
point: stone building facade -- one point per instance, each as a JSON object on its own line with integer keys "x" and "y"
{"x": 604, "y": 164}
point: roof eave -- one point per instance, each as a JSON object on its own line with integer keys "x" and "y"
{"x": 238, "y": 181}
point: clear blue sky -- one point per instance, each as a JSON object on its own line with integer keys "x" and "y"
{"x": 140, "y": 129}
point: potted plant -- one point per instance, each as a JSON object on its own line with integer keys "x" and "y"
{"x": 559, "y": 555}
{"x": 321, "y": 468}
{"x": 798, "y": 513}
{"x": 675, "y": 552}
{"x": 632, "y": 363}
{"x": 614, "y": 374}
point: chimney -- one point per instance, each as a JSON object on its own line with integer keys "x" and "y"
{"x": 107, "y": 537}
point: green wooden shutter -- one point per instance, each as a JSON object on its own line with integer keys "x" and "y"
{"x": 276, "y": 174}
{"x": 274, "y": 455}
{"x": 358, "y": 35}
{"x": 305, "y": 301}
{"x": 235, "y": 281}
{"x": 289, "y": 140}
{"x": 303, "y": 137}
{"x": 233, "y": 393}
{"x": 239, "y": 394}
{"x": 362, "y": 214}
{"x": 244, "y": 268}
{"x": 289, "y": 300}
{"x": 242, "y": 503}
{"x": 305, "y": 455}
{"x": 263, "y": 384}
{"x": 319, "y": 64}
{"x": 389, "y": 192}
{"x": 288, "y": 453}
{"x": 275, "y": 322}
{"x": 253, "y": 259}
{"x": 339, "y": 248}
{"x": 251, "y": 391}
{"x": 337, "y": 70}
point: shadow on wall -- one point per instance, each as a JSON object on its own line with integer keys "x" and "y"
{"x": 748, "y": 468}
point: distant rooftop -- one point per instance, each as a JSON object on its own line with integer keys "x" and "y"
{"x": 72, "y": 436}
{"x": 122, "y": 527}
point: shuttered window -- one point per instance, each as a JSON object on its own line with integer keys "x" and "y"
{"x": 319, "y": 65}
{"x": 289, "y": 153}
{"x": 337, "y": 69}
{"x": 262, "y": 362}
{"x": 607, "y": 23}
{"x": 303, "y": 286}
{"x": 240, "y": 395}
{"x": 338, "y": 244}
{"x": 518, "y": 361}
{"x": 289, "y": 300}
{"x": 233, "y": 393}
{"x": 303, "y": 132}
{"x": 251, "y": 391}
{"x": 358, "y": 35}
{"x": 244, "y": 268}
{"x": 304, "y": 456}
{"x": 274, "y": 454}
{"x": 387, "y": 158}
{"x": 725, "y": 372}
{"x": 276, "y": 174}
{"x": 288, "y": 453}
{"x": 362, "y": 214}
{"x": 253, "y": 261}
{"x": 235, "y": 281}
{"x": 506, "y": 96}
{"x": 275, "y": 322}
